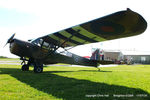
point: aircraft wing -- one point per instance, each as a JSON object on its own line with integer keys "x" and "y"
{"x": 117, "y": 25}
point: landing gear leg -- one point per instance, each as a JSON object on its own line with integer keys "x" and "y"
{"x": 25, "y": 67}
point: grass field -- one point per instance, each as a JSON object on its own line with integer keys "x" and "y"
{"x": 75, "y": 83}
{"x": 9, "y": 59}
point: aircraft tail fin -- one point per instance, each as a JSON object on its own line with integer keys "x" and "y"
{"x": 98, "y": 56}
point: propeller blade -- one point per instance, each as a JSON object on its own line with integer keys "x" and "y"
{"x": 5, "y": 45}
{"x": 10, "y": 39}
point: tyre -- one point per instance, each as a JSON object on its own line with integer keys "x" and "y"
{"x": 38, "y": 69}
{"x": 25, "y": 68}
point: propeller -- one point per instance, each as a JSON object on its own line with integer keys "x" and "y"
{"x": 10, "y": 39}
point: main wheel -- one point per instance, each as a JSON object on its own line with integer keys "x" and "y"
{"x": 25, "y": 68}
{"x": 38, "y": 69}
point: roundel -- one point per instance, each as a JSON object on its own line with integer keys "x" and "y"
{"x": 106, "y": 28}
{"x": 76, "y": 59}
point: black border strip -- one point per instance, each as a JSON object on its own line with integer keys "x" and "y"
{"x": 77, "y": 34}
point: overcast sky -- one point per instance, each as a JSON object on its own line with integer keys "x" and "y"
{"x": 34, "y": 18}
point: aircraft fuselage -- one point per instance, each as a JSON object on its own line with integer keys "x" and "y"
{"x": 44, "y": 56}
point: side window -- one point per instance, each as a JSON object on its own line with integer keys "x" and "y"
{"x": 45, "y": 45}
{"x": 37, "y": 42}
{"x": 143, "y": 58}
{"x": 48, "y": 46}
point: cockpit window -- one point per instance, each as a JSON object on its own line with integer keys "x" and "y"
{"x": 43, "y": 44}
{"x": 50, "y": 47}
{"x": 37, "y": 42}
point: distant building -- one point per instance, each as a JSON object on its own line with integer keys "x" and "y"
{"x": 137, "y": 56}
{"x": 125, "y": 56}
{"x": 112, "y": 55}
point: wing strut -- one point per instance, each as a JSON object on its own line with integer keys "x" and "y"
{"x": 61, "y": 45}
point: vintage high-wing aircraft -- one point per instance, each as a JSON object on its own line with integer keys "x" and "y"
{"x": 48, "y": 49}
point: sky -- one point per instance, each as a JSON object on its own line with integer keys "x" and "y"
{"x": 31, "y": 19}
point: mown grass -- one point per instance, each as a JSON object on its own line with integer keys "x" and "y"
{"x": 75, "y": 83}
{"x": 9, "y": 59}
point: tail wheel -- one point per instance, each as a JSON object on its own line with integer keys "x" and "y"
{"x": 25, "y": 68}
